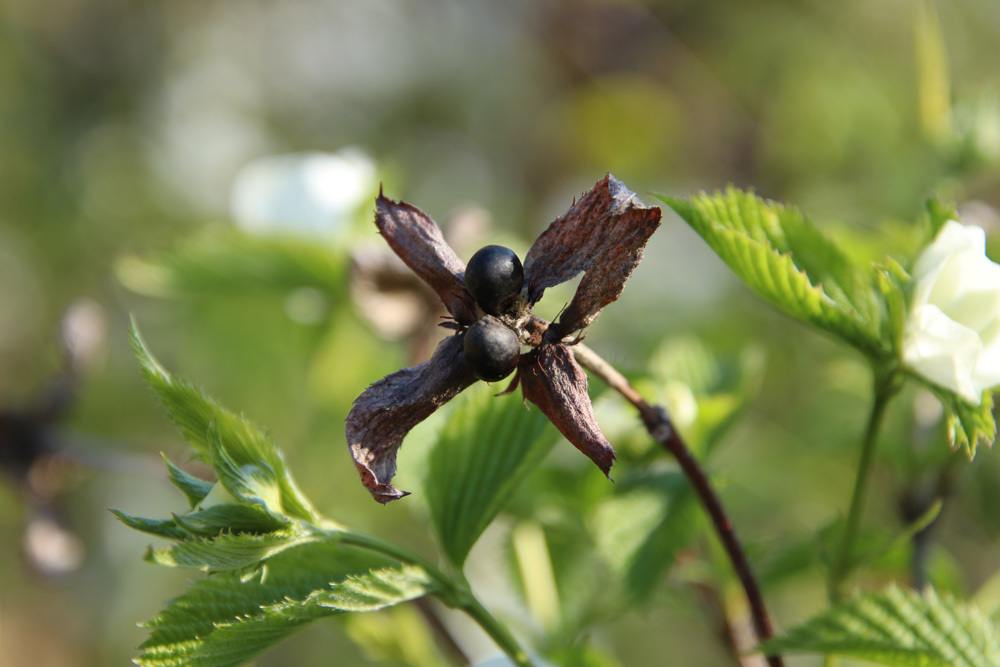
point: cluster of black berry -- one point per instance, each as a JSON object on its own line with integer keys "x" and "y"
{"x": 494, "y": 277}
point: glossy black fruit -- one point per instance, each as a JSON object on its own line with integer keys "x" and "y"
{"x": 491, "y": 349}
{"x": 494, "y": 277}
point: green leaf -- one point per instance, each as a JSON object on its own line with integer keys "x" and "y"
{"x": 936, "y": 214}
{"x": 225, "y": 263}
{"x": 705, "y": 394}
{"x": 226, "y": 551}
{"x": 228, "y": 618}
{"x": 786, "y": 260}
{"x": 968, "y": 426}
{"x": 160, "y": 527}
{"x": 230, "y": 517}
{"x": 898, "y": 628}
{"x": 640, "y": 530}
{"x": 249, "y": 465}
{"x": 193, "y": 487}
{"x": 893, "y": 280}
{"x": 487, "y": 447}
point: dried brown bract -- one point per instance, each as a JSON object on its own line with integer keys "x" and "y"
{"x": 602, "y": 235}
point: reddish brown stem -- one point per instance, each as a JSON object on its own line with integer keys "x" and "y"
{"x": 660, "y": 428}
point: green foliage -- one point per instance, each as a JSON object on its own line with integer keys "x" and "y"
{"x": 230, "y": 617}
{"x": 487, "y": 447}
{"x": 640, "y": 530}
{"x": 248, "y": 464}
{"x": 786, "y": 260}
{"x": 273, "y": 568}
{"x": 893, "y": 282}
{"x": 226, "y": 551}
{"x": 193, "y": 487}
{"x": 936, "y": 214}
{"x": 898, "y": 628}
{"x": 967, "y": 425}
{"x": 716, "y": 389}
{"x": 220, "y": 264}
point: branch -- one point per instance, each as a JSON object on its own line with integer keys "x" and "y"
{"x": 658, "y": 424}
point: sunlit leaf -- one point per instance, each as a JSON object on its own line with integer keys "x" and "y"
{"x": 226, "y": 551}
{"x": 488, "y": 445}
{"x": 898, "y": 628}
{"x": 160, "y": 527}
{"x": 968, "y": 426}
{"x": 228, "y": 618}
{"x": 193, "y": 487}
{"x": 786, "y": 260}
{"x": 250, "y": 466}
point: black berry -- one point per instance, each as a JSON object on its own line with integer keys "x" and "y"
{"x": 491, "y": 349}
{"x": 494, "y": 277}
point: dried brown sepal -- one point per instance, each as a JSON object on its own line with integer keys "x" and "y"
{"x": 385, "y": 412}
{"x": 420, "y": 244}
{"x": 602, "y": 235}
{"x": 551, "y": 379}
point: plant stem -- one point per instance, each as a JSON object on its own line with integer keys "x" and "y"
{"x": 500, "y": 634}
{"x": 445, "y": 639}
{"x": 660, "y": 428}
{"x": 454, "y": 592}
{"x": 884, "y": 387}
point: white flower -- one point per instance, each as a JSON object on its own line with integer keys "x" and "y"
{"x": 952, "y": 333}
{"x": 304, "y": 193}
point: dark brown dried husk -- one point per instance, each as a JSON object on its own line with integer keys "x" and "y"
{"x": 418, "y": 241}
{"x": 603, "y": 235}
{"x": 385, "y": 412}
{"x": 551, "y": 379}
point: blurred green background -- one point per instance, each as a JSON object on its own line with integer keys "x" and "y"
{"x": 124, "y": 127}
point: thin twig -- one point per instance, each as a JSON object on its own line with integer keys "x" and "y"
{"x": 660, "y": 428}
{"x": 735, "y": 632}
{"x": 445, "y": 640}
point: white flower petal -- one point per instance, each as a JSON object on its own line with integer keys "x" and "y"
{"x": 952, "y": 332}
{"x": 942, "y": 350}
{"x": 987, "y": 372}
{"x": 953, "y": 238}
{"x": 304, "y": 193}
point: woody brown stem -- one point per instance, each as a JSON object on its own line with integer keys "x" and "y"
{"x": 658, "y": 424}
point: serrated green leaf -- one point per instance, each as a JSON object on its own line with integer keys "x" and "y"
{"x": 226, "y": 551}
{"x": 968, "y": 426}
{"x": 375, "y": 589}
{"x": 220, "y": 264}
{"x": 160, "y": 527}
{"x": 486, "y": 448}
{"x": 786, "y": 260}
{"x": 237, "y": 519}
{"x": 235, "y": 641}
{"x": 193, "y": 487}
{"x": 898, "y": 628}
{"x": 226, "y": 619}
{"x": 892, "y": 280}
{"x": 252, "y": 483}
{"x": 213, "y": 431}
